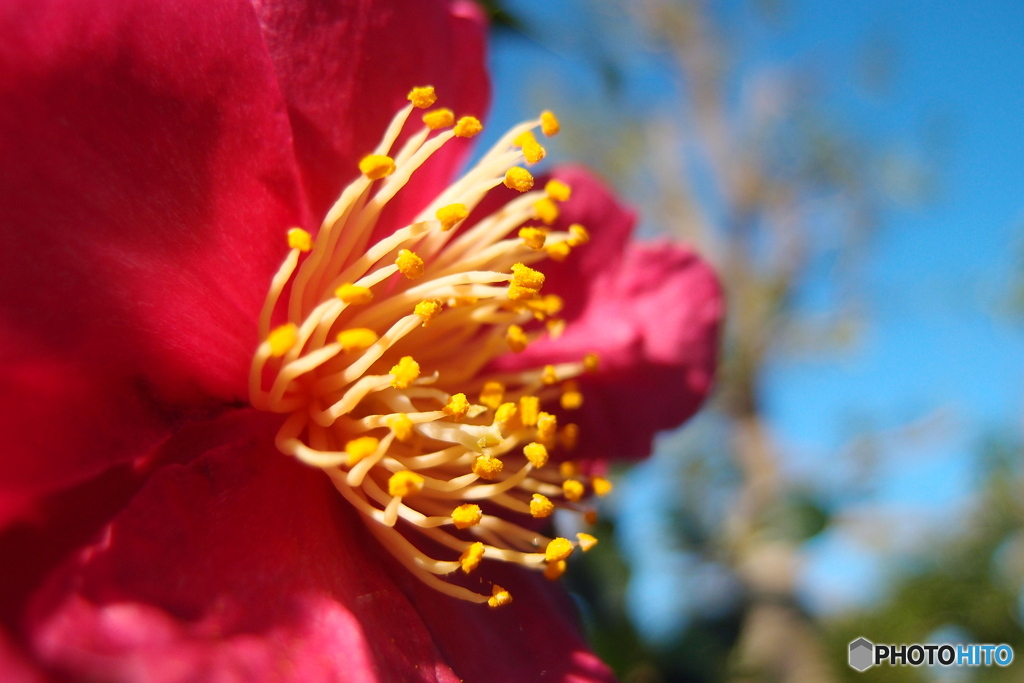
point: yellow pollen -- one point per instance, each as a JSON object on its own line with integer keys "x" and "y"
{"x": 377, "y": 166}
{"x": 499, "y": 597}
{"x": 516, "y": 338}
{"x": 463, "y": 301}
{"x": 555, "y": 327}
{"x": 360, "y": 448}
{"x": 527, "y": 277}
{"x": 354, "y": 295}
{"x": 529, "y": 410}
{"x": 282, "y": 339}
{"x": 547, "y": 426}
{"x": 577, "y": 235}
{"x": 428, "y": 309}
{"x": 571, "y": 399}
{"x": 536, "y": 454}
{"x": 524, "y": 138}
{"x": 549, "y": 123}
{"x": 546, "y": 210}
{"x": 487, "y": 466}
{"x": 558, "y": 190}
{"x": 519, "y": 179}
{"x": 549, "y": 375}
{"x": 517, "y": 292}
{"x": 466, "y": 515}
{"x": 602, "y": 487}
{"x": 404, "y": 373}
{"x": 457, "y": 407}
{"x": 451, "y": 215}
{"x": 572, "y": 489}
{"x": 409, "y": 264}
{"x": 405, "y": 483}
{"x": 492, "y": 394}
{"x": 541, "y": 506}
{"x": 591, "y": 362}
{"x": 554, "y": 570}
{"x": 568, "y": 469}
{"x": 550, "y": 304}
{"x": 299, "y": 239}
{"x": 558, "y": 549}
{"x": 423, "y": 97}
{"x": 558, "y": 251}
{"x": 439, "y": 118}
{"x": 358, "y": 339}
{"x": 467, "y": 127}
{"x": 569, "y": 437}
{"x": 533, "y": 151}
{"x": 471, "y": 556}
{"x": 401, "y": 426}
{"x": 504, "y": 415}
{"x": 586, "y": 541}
{"x": 533, "y": 237}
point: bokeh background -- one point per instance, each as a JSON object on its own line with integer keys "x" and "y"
{"x": 855, "y": 172}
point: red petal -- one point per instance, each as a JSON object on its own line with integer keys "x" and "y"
{"x": 13, "y": 666}
{"x": 147, "y": 181}
{"x": 245, "y": 565}
{"x": 651, "y": 311}
{"x": 345, "y": 69}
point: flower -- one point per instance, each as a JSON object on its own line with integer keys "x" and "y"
{"x": 155, "y": 155}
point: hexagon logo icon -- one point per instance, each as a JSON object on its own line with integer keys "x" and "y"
{"x": 862, "y": 654}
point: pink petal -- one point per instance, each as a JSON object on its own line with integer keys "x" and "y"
{"x": 345, "y": 69}
{"x": 148, "y": 178}
{"x": 652, "y": 312}
{"x": 14, "y": 668}
{"x": 245, "y": 565}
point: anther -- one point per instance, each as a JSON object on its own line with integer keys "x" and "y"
{"x": 377, "y": 166}
{"x": 529, "y": 410}
{"x": 549, "y": 123}
{"x": 549, "y": 376}
{"x": 492, "y": 394}
{"x": 409, "y": 264}
{"x": 586, "y": 541}
{"x": 546, "y": 210}
{"x": 541, "y": 506}
{"x": 558, "y": 549}
{"x": 471, "y": 556}
{"x": 354, "y": 295}
{"x": 299, "y": 239}
{"x": 466, "y": 515}
{"x": 358, "y": 339}
{"x": 558, "y": 190}
{"x": 422, "y": 97}
{"x": 467, "y": 127}
{"x": 487, "y": 466}
{"x": 533, "y": 237}
{"x": 558, "y": 251}
{"x": 499, "y": 597}
{"x": 282, "y": 339}
{"x": 554, "y": 570}
{"x": 571, "y": 398}
{"x": 457, "y": 407}
{"x": 519, "y": 179}
{"x": 572, "y": 490}
{"x": 404, "y": 373}
{"x": 536, "y": 454}
{"x": 401, "y": 426}
{"x": 516, "y": 338}
{"x": 358, "y": 449}
{"x": 439, "y": 118}
{"x": 405, "y": 483}
{"x": 577, "y": 235}
{"x": 451, "y": 215}
{"x": 602, "y": 487}
{"x": 427, "y": 310}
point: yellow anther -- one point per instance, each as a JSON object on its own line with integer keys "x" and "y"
{"x": 428, "y": 309}
{"x": 405, "y": 483}
{"x": 533, "y": 237}
{"x": 568, "y": 469}
{"x": 499, "y": 597}
{"x": 586, "y": 541}
{"x": 590, "y": 517}
{"x": 529, "y": 410}
{"x": 354, "y": 295}
{"x": 547, "y": 426}
{"x": 549, "y": 376}
{"x": 457, "y": 407}
{"x": 504, "y": 415}
{"x": 519, "y": 293}
{"x": 558, "y": 549}
{"x": 516, "y": 338}
{"x": 569, "y": 437}
{"x": 519, "y": 179}
{"x": 572, "y": 490}
{"x": 423, "y": 97}
{"x": 487, "y": 466}
{"x": 555, "y": 570}
{"x": 358, "y": 339}
{"x": 466, "y": 515}
{"x": 527, "y": 277}
{"x": 492, "y": 394}
{"x": 558, "y": 251}
{"x": 463, "y": 301}
{"x": 550, "y": 304}
{"x": 536, "y": 454}
{"x": 439, "y": 118}
{"x": 471, "y": 556}
{"x": 558, "y": 190}
{"x": 546, "y": 210}
{"x": 555, "y": 327}
{"x": 591, "y": 362}
{"x": 602, "y": 487}
{"x": 541, "y": 506}
{"x": 467, "y": 127}
{"x": 360, "y": 448}
{"x": 549, "y": 124}
{"x": 377, "y": 166}
{"x": 282, "y": 339}
{"x": 571, "y": 399}
{"x": 401, "y": 426}
{"x": 488, "y": 441}
{"x": 524, "y": 138}
{"x": 299, "y": 239}
{"x": 409, "y": 264}
{"x": 533, "y": 151}
{"x": 404, "y": 373}
{"x": 451, "y": 215}
{"x": 577, "y": 235}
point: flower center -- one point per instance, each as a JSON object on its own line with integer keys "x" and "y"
{"x": 382, "y": 363}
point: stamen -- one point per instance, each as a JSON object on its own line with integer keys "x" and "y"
{"x": 549, "y": 124}
{"x": 518, "y": 179}
{"x": 468, "y": 127}
{"x": 299, "y": 239}
{"x": 422, "y": 98}
{"x": 377, "y": 166}
{"x": 439, "y": 118}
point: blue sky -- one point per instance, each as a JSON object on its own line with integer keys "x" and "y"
{"x": 937, "y": 346}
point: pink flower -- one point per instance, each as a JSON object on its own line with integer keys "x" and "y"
{"x": 155, "y": 156}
